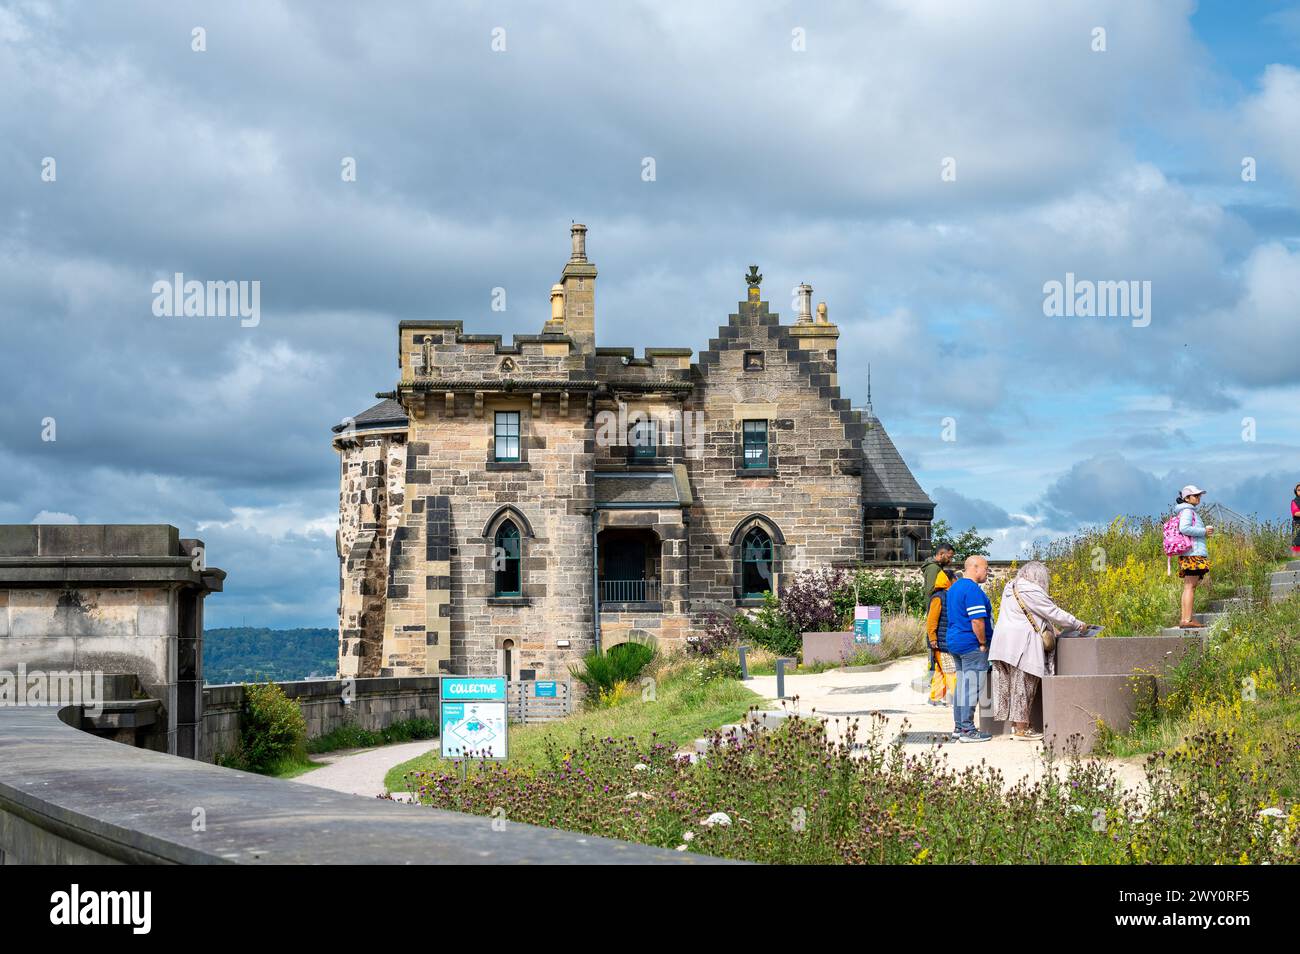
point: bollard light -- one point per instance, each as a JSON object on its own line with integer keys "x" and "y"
{"x": 780, "y": 674}
{"x": 744, "y": 662}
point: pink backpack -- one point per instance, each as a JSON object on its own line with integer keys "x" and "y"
{"x": 1177, "y": 543}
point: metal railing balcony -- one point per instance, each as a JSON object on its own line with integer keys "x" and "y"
{"x": 629, "y": 591}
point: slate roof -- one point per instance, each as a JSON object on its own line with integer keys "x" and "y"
{"x": 637, "y": 489}
{"x": 887, "y": 479}
{"x": 387, "y": 413}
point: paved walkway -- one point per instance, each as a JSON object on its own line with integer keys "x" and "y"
{"x": 842, "y": 696}
{"x": 362, "y": 771}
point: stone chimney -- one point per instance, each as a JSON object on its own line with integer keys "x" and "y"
{"x": 578, "y": 285}
{"x": 805, "y": 303}
{"x": 556, "y": 323}
{"x": 819, "y": 337}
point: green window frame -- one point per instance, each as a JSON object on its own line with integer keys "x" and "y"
{"x": 755, "y": 443}
{"x": 756, "y": 563}
{"x": 506, "y": 445}
{"x": 507, "y": 561}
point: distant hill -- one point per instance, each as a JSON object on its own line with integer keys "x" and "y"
{"x": 249, "y": 654}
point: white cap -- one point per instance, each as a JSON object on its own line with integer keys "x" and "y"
{"x": 1191, "y": 490}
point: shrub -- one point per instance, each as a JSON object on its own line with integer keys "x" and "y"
{"x": 272, "y": 729}
{"x": 602, "y": 672}
{"x": 720, "y": 633}
{"x": 770, "y": 628}
{"x": 808, "y": 601}
{"x": 892, "y": 594}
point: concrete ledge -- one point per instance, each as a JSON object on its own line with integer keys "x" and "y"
{"x": 1073, "y": 706}
{"x": 1118, "y": 655}
{"x": 69, "y": 797}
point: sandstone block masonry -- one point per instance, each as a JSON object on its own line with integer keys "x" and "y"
{"x": 508, "y": 507}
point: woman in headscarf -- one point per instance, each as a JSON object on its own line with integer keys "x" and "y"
{"x": 1020, "y": 660}
{"x": 1295, "y": 521}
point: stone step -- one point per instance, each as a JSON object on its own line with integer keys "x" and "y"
{"x": 1278, "y": 577}
{"x": 1229, "y": 605}
{"x": 1178, "y": 631}
{"x": 1293, "y": 564}
{"x": 767, "y": 718}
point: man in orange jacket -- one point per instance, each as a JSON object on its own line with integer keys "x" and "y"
{"x": 944, "y": 679}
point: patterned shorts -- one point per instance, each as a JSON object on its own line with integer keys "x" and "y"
{"x": 1193, "y": 565}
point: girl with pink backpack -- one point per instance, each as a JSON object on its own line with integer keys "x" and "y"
{"x": 1185, "y": 537}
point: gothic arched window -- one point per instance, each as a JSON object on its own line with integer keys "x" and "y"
{"x": 506, "y": 561}
{"x": 756, "y": 563}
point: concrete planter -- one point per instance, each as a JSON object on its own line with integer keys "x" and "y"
{"x": 835, "y": 648}
{"x": 1104, "y": 680}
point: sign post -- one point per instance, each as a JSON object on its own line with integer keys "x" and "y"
{"x": 472, "y": 717}
{"x": 866, "y": 624}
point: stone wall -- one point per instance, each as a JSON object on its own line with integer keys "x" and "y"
{"x": 376, "y": 704}
{"x": 111, "y": 599}
{"x": 371, "y": 503}
{"x": 442, "y": 586}
{"x": 139, "y": 807}
{"x": 810, "y": 499}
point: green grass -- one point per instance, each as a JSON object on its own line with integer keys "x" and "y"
{"x": 291, "y": 768}
{"x": 686, "y": 707}
{"x": 352, "y": 736}
{"x": 1244, "y": 684}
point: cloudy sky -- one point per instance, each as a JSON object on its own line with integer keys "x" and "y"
{"x": 926, "y": 166}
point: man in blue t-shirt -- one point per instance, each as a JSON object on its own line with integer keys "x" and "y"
{"x": 970, "y": 630}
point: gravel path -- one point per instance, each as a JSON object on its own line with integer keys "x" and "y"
{"x": 362, "y": 771}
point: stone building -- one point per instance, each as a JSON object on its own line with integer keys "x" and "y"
{"x": 510, "y": 506}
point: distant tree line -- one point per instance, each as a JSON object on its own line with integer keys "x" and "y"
{"x": 255, "y": 654}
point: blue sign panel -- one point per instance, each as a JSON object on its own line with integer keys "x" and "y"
{"x": 867, "y": 624}
{"x": 473, "y": 717}
{"x": 478, "y": 688}
{"x": 544, "y": 690}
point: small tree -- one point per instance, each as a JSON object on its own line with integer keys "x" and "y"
{"x": 968, "y": 543}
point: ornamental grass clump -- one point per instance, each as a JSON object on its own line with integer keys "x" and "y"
{"x": 796, "y": 796}
{"x": 606, "y": 674}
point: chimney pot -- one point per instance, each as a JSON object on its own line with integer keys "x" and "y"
{"x": 578, "y": 233}
{"x": 805, "y": 302}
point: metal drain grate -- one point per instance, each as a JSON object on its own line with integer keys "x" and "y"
{"x": 861, "y": 690}
{"x": 923, "y": 738}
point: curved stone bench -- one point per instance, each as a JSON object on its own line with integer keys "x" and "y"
{"x": 68, "y": 797}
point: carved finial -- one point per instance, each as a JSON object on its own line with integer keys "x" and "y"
{"x": 822, "y": 319}
{"x": 753, "y": 279}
